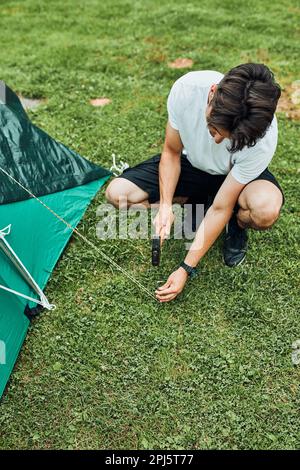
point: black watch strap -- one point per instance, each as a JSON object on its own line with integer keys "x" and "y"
{"x": 192, "y": 272}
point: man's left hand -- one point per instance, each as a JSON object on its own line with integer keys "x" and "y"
{"x": 174, "y": 285}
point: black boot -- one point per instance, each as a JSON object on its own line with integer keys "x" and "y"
{"x": 235, "y": 243}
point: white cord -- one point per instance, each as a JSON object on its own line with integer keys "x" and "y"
{"x": 36, "y": 301}
{"x": 117, "y": 170}
{"x": 22, "y": 269}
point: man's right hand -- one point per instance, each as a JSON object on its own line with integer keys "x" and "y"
{"x": 163, "y": 221}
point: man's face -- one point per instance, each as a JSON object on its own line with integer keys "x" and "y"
{"x": 218, "y": 134}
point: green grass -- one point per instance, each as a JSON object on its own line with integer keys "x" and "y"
{"x": 110, "y": 368}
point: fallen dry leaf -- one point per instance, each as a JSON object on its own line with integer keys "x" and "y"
{"x": 289, "y": 102}
{"x": 30, "y": 103}
{"x": 100, "y": 101}
{"x": 181, "y": 63}
{"x": 296, "y": 92}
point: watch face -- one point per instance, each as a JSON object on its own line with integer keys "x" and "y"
{"x": 186, "y": 267}
{"x": 192, "y": 272}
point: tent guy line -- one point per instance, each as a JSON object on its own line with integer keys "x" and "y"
{"x": 82, "y": 237}
{"x": 64, "y": 183}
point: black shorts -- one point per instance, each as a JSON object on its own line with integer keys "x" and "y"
{"x": 193, "y": 183}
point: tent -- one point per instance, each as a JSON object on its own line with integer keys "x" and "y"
{"x": 31, "y": 238}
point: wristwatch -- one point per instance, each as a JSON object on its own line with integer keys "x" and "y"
{"x": 192, "y": 272}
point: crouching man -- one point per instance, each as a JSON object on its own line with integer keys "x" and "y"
{"x": 221, "y": 136}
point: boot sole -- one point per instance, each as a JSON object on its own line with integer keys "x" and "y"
{"x": 235, "y": 265}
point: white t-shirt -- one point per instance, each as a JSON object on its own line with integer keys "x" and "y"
{"x": 187, "y": 104}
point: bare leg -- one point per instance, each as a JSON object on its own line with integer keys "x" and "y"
{"x": 260, "y": 203}
{"x": 123, "y": 194}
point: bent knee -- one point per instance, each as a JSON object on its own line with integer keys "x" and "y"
{"x": 123, "y": 193}
{"x": 264, "y": 217}
{"x": 116, "y": 194}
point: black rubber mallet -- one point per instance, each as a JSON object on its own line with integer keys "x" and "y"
{"x": 155, "y": 250}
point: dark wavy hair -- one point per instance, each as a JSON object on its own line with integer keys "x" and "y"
{"x": 244, "y": 104}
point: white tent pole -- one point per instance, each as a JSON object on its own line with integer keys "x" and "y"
{"x": 22, "y": 270}
{"x": 48, "y": 307}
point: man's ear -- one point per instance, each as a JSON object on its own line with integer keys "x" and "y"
{"x": 211, "y": 92}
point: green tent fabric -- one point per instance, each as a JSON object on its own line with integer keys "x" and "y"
{"x": 35, "y": 159}
{"x": 65, "y": 182}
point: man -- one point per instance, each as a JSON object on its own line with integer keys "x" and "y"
{"x": 220, "y": 138}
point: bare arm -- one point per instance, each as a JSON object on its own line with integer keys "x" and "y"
{"x": 170, "y": 165}
{"x": 215, "y": 220}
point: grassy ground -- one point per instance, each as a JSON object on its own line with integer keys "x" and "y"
{"x": 110, "y": 368}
